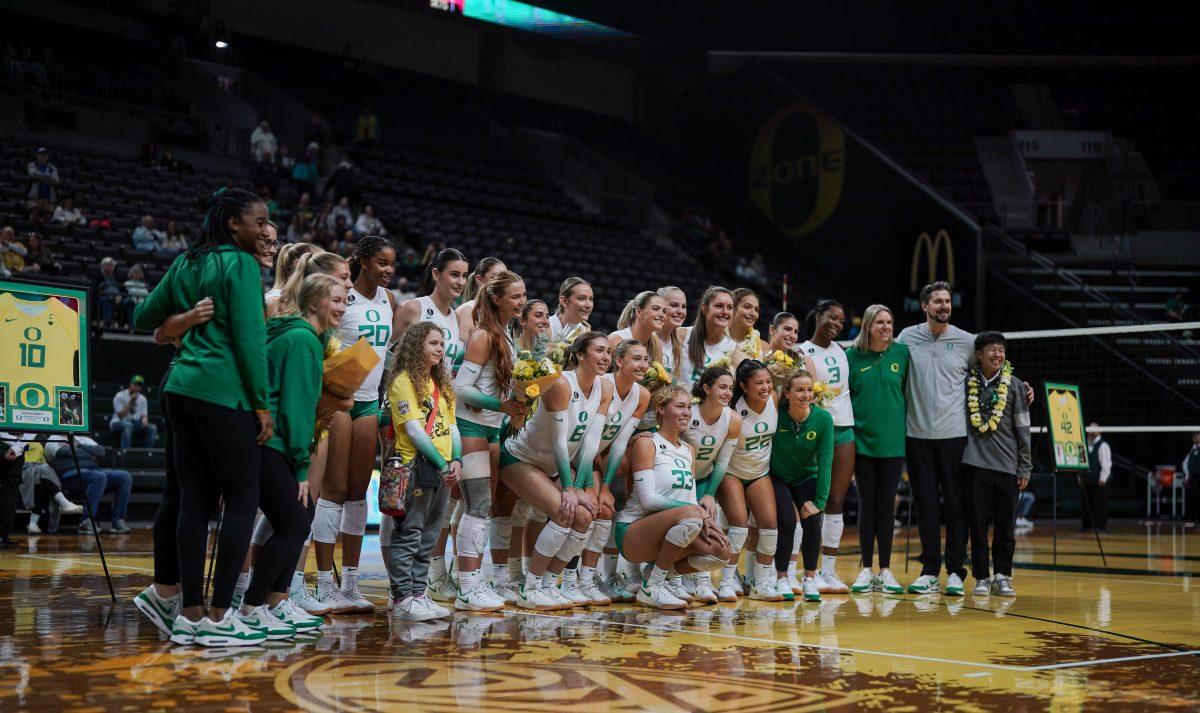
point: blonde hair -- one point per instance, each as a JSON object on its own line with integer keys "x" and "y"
{"x": 314, "y": 289}
{"x": 629, "y": 314}
{"x": 663, "y": 396}
{"x": 309, "y": 264}
{"x": 863, "y": 341}
{"x": 286, "y": 259}
{"x": 565, "y": 289}
{"x": 676, "y": 342}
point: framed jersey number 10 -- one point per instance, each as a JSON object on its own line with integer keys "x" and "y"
{"x": 44, "y": 357}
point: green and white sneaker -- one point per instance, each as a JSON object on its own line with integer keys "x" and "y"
{"x": 784, "y": 588}
{"x": 230, "y": 631}
{"x": 925, "y": 584}
{"x": 886, "y": 581}
{"x": 864, "y": 582}
{"x": 955, "y": 586}
{"x": 183, "y": 630}
{"x": 160, "y": 611}
{"x": 297, "y": 618}
{"x": 812, "y": 591}
{"x": 263, "y": 620}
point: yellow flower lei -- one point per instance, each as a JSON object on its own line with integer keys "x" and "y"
{"x": 975, "y": 387}
{"x": 751, "y": 345}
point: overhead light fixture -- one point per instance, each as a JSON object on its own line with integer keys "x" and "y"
{"x": 221, "y": 44}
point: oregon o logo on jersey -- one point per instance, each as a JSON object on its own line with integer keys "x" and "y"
{"x": 797, "y": 167}
{"x": 760, "y": 430}
{"x": 810, "y": 436}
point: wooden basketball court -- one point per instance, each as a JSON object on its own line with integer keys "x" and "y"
{"x": 1080, "y": 637}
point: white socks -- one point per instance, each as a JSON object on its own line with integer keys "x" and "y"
{"x": 325, "y": 581}
{"x": 349, "y": 579}
{"x": 243, "y": 583}
{"x": 437, "y": 568}
{"x": 658, "y": 575}
{"x": 827, "y": 563}
{"x": 62, "y": 500}
{"x": 297, "y": 583}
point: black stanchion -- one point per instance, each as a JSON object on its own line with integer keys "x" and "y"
{"x": 87, "y": 507}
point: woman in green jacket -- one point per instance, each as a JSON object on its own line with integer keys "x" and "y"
{"x": 801, "y": 464}
{"x": 878, "y": 375}
{"x": 295, "y": 357}
{"x": 218, "y": 407}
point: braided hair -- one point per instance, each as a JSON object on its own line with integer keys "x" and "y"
{"x": 224, "y": 205}
{"x": 368, "y": 247}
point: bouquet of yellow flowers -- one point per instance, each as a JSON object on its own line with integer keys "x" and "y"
{"x": 556, "y": 350}
{"x": 656, "y": 377}
{"x": 780, "y": 364}
{"x": 751, "y": 345}
{"x": 532, "y": 375}
{"x": 722, "y": 362}
{"x": 824, "y": 394}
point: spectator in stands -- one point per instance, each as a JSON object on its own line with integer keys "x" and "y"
{"x": 265, "y": 193}
{"x": 38, "y": 259}
{"x": 367, "y": 223}
{"x": 136, "y": 290}
{"x": 175, "y": 165}
{"x": 340, "y": 226}
{"x": 304, "y": 209}
{"x": 131, "y": 416}
{"x": 262, "y": 141}
{"x": 1095, "y": 511}
{"x": 1177, "y": 307}
{"x": 342, "y": 209}
{"x": 90, "y": 479}
{"x": 266, "y": 173}
{"x": 1191, "y": 479}
{"x": 147, "y": 237}
{"x": 43, "y": 177}
{"x": 110, "y": 294}
{"x": 12, "y": 252}
{"x": 41, "y": 491}
{"x": 347, "y": 181}
{"x": 404, "y": 291}
{"x": 173, "y": 240}
{"x": 367, "y": 130}
{"x": 410, "y": 264}
{"x": 305, "y": 173}
{"x": 68, "y": 214}
{"x": 296, "y": 229}
{"x": 1025, "y": 502}
{"x": 102, "y": 222}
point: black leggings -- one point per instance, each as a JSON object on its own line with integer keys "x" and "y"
{"x": 810, "y": 546}
{"x": 216, "y": 455}
{"x": 166, "y": 548}
{"x": 289, "y": 520}
{"x": 877, "y": 480}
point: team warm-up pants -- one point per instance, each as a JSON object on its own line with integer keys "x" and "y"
{"x": 810, "y": 545}
{"x": 935, "y": 470}
{"x": 290, "y": 521}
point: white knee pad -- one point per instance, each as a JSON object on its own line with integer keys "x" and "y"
{"x": 386, "y": 524}
{"x": 327, "y": 521}
{"x": 601, "y": 531}
{"x": 460, "y": 507}
{"x": 520, "y": 513}
{"x": 536, "y": 515}
{"x": 551, "y": 540}
{"x": 797, "y": 539}
{"x": 471, "y": 536}
{"x": 684, "y": 532}
{"x": 831, "y": 531}
{"x": 573, "y": 547}
{"x": 476, "y": 465}
{"x": 705, "y": 563}
{"x": 354, "y": 517}
{"x": 768, "y": 540}
{"x": 262, "y": 531}
{"x": 722, "y": 521}
{"x": 500, "y": 532}
{"x": 737, "y": 539}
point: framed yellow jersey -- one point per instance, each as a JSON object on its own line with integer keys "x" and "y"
{"x": 44, "y": 357}
{"x": 1067, "y": 432}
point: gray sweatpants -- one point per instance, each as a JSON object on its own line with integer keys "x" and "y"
{"x": 412, "y": 541}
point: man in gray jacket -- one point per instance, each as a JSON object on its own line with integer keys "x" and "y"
{"x": 996, "y": 463}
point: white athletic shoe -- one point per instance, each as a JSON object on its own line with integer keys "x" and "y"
{"x": 812, "y": 592}
{"x": 631, "y": 585}
{"x": 615, "y": 588}
{"x": 411, "y": 609}
{"x": 954, "y": 586}
{"x": 439, "y": 611}
{"x": 983, "y": 587}
{"x": 306, "y": 601}
{"x": 537, "y": 599}
{"x": 784, "y": 589}
{"x": 595, "y": 594}
{"x": 864, "y": 582}
{"x": 886, "y": 581}
{"x": 1002, "y": 586}
{"x": 727, "y": 590}
{"x": 506, "y": 591}
{"x": 925, "y": 584}
{"x": 659, "y": 597}
{"x": 481, "y": 598}
{"x": 70, "y": 509}
{"x": 689, "y": 583}
{"x": 677, "y": 589}
{"x": 830, "y": 583}
{"x": 183, "y": 630}
{"x": 794, "y": 583}
{"x": 32, "y": 528}
{"x": 336, "y": 601}
{"x": 557, "y": 596}
{"x": 362, "y": 605}
{"x": 263, "y": 620}
{"x": 230, "y": 631}
{"x": 443, "y": 589}
{"x": 704, "y": 590}
{"x": 765, "y": 592}
{"x": 1024, "y": 524}
{"x": 289, "y": 613}
{"x": 161, "y": 612}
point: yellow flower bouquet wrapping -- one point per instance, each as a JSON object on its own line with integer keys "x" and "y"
{"x": 780, "y": 364}
{"x": 656, "y": 377}
{"x": 345, "y": 371}
{"x": 824, "y": 394}
{"x": 751, "y": 345}
{"x": 532, "y": 375}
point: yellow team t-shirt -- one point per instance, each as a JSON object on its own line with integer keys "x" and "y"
{"x": 41, "y": 338}
{"x": 405, "y": 408}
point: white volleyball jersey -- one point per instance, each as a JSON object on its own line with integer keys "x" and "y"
{"x": 834, "y": 369}
{"x": 620, "y": 411}
{"x": 559, "y": 330}
{"x": 688, "y": 374}
{"x": 448, "y": 322}
{"x": 533, "y": 443}
{"x": 486, "y": 383}
{"x": 672, "y": 476}
{"x": 707, "y": 439}
{"x": 369, "y": 318}
{"x": 752, "y": 456}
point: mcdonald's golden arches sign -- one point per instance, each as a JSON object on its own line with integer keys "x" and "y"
{"x": 931, "y": 248}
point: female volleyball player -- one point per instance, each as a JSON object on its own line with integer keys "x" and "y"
{"x": 219, "y": 406}
{"x": 485, "y": 269}
{"x": 822, "y": 325}
{"x": 566, "y": 425}
{"x": 641, "y": 319}
{"x": 741, "y": 325}
{"x": 669, "y": 334}
{"x": 574, "y": 307}
{"x": 483, "y": 385}
{"x": 663, "y": 522}
{"x": 707, "y": 340}
{"x": 285, "y": 264}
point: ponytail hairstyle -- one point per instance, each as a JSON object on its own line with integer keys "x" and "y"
{"x": 368, "y": 247}
{"x": 309, "y": 264}
{"x": 313, "y": 289}
{"x": 707, "y": 379}
{"x": 810, "y": 320}
{"x": 487, "y": 319}
{"x": 410, "y": 359}
{"x": 663, "y": 396}
{"x": 699, "y": 333}
{"x": 579, "y": 346}
{"x": 676, "y": 342}
{"x": 286, "y": 259}
{"x": 565, "y": 289}
{"x": 439, "y": 263}
{"x": 745, "y": 370}
{"x": 629, "y": 314}
{"x": 517, "y": 330}
{"x": 224, "y": 204}
{"x": 622, "y": 348}
{"x": 473, "y": 287}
